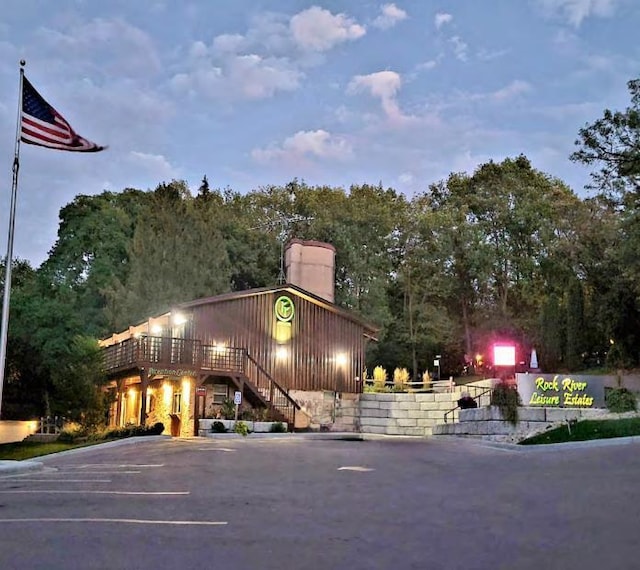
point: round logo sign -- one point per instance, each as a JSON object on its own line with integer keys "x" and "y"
{"x": 284, "y": 309}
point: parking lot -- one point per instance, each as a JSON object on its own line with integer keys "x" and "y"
{"x": 296, "y": 503}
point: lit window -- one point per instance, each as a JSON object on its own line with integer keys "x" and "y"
{"x": 176, "y": 407}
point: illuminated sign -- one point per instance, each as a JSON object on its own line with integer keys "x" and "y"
{"x": 561, "y": 391}
{"x": 284, "y": 309}
{"x": 168, "y": 372}
{"x": 504, "y": 355}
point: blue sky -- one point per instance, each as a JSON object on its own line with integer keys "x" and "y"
{"x": 254, "y": 93}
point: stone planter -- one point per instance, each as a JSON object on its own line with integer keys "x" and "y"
{"x": 204, "y": 426}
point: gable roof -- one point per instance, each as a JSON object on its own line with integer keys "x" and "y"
{"x": 370, "y": 329}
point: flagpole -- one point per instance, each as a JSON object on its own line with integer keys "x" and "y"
{"x": 4, "y": 324}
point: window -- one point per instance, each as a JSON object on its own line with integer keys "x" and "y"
{"x": 220, "y": 393}
{"x": 176, "y": 407}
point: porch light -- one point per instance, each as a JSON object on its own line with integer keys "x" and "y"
{"x": 186, "y": 389}
{"x": 341, "y": 359}
{"x": 282, "y": 352}
{"x": 178, "y": 319}
{"x": 156, "y": 328}
{"x": 167, "y": 392}
{"x": 219, "y": 347}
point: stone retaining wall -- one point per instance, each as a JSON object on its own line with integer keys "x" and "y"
{"x": 488, "y": 422}
{"x": 405, "y": 414}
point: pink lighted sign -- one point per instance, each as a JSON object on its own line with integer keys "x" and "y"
{"x": 504, "y": 355}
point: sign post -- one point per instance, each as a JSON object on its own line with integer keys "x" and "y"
{"x": 237, "y": 400}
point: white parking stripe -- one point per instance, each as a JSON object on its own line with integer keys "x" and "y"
{"x": 60, "y": 481}
{"x": 355, "y": 468}
{"x": 118, "y": 521}
{"x": 114, "y": 465}
{"x": 65, "y": 492}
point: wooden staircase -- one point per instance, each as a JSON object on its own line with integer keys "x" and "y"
{"x": 270, "y": 394}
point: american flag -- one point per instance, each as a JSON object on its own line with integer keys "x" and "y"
{"x": 42, "y": 125}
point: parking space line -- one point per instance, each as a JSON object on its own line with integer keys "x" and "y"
{"x": 117, "y": 521}
{"x": 114, "y": 465}
{"x": 58, "y": 481}
{"x": 66, "y": 492}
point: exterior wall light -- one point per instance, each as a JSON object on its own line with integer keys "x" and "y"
{"x": 341, "y": 359}
{"x": 282, "y": 352}
{"x": 178, "y": 319}
{"x": 156, "y": 328}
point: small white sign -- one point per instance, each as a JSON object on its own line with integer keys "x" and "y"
{"x": 237, "y": 398}
{"x": 436, "y": 362}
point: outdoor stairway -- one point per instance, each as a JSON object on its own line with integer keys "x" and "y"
{"x": 281, "y": 406}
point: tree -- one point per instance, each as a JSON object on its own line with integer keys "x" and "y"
{"x": 612, "y": 143}
{"x": 177, "y": 254}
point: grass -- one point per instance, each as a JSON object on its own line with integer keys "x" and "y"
{"x": 587, "y": 430}
{"x": 27, "y": 450}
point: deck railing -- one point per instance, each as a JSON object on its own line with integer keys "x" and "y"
{"x": 166, "y": 351}
{"x": 153, "y": 350}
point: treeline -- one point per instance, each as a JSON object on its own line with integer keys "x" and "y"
{"x": 505, "y": 252}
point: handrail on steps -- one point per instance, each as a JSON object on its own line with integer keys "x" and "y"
{"x": 273, "y": 385}
{"x": 476, "y": 398}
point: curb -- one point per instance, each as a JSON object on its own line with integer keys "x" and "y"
{"x": 541, "y": 448}
{"x": 11, "y": 467}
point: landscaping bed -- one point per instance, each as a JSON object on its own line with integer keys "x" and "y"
{"x": 587, "y": 430}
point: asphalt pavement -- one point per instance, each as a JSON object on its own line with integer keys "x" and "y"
{"x": 292, "y": 503}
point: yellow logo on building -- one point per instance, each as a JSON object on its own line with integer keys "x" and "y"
{"x": 284, "y": 309}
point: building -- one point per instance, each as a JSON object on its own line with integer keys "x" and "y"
{"x": 278, "y": 346}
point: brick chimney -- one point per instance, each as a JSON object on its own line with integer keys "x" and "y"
{"x": 311, "y": 266}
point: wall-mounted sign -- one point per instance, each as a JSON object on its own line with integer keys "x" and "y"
{"x": 201, "y": 391}
{"x": 284, "y": 309}
{"x": 168, "y": 372}
{"x": 561, "y": 390}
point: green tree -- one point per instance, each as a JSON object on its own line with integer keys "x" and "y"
{"x": 612, "y": 144}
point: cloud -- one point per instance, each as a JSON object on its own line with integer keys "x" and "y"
{"x": 306, "y": 144}
{"x": 122, "y": 48}
{"x": 237, "y": 76}
{"x": 575, "y": 11}
{"x": 155, "y": 164}
{"x": 459, "y": 48}
{"x": 317, "y": 29}
{"x": 515, "y": 88}
{"x": 442, "y": 18}
{"x": 390, "y": 15}
{"x": 383, "y": 85}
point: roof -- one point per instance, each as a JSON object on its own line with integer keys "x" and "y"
{"x": 370, "y": 329}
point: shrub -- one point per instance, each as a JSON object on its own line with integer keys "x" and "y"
{"x": 505, "y": 396}
{"x": 426, "y": 380}
{"x": 400, "y": 379}
{"x": 218, "y": 427}
{"x": 379, "y": 378}
{"x": 620, "y": 400}
{"x": 278, "y": 427}
{"x": 241, "y": 428}
{"x": 228, "y": 409}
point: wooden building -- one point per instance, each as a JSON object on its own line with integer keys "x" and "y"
{"x": 266, "y": 343}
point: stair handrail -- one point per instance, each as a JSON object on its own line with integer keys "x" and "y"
{"x": 274, "y": 385}
{"x": 475, "y": 398}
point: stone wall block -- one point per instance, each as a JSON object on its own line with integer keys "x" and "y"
{"x": 408, "y": 422}
{"x": 425, "y": 397}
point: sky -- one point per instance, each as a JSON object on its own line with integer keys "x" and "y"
{"x": 259, "y": 92}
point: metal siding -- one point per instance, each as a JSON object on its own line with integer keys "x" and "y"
{"x": 318, "y": 336}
